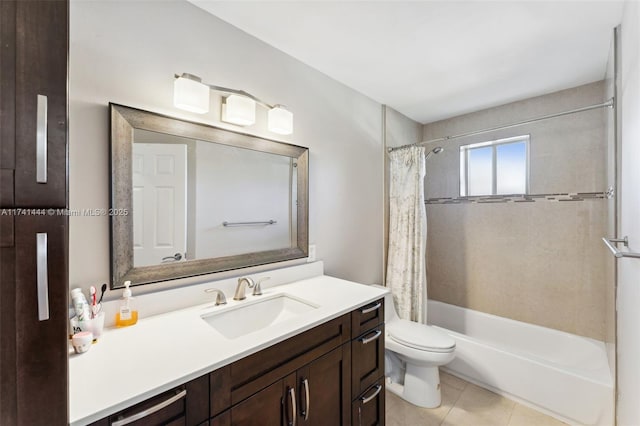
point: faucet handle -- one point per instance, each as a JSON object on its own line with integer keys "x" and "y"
{"x": 220, "y": 298}
{"x": 257, "y": 290}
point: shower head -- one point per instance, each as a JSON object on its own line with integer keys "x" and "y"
{"x": 436, "y": 150}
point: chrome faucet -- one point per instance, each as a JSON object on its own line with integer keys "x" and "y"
{"x": 242, "y": 282}
{"x": 257, "y": 290}
{"x": 220, "y": 298}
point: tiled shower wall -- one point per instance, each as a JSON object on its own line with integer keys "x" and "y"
{"x": 540, "y": 262}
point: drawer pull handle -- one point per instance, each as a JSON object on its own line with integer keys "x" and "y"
{"x": 42, "y": 276}
{"x": 294, "y": 412}
{"x": 305, "y": 412}
{"x": 149, "y": 411}
{"x": 375, "y": 336}
{"x": 41, "y": 139}
{"x": 371, "y": 309}
{"x": 369, "y": 398}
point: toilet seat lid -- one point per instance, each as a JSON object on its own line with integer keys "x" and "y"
{"x": 420, "y": 336}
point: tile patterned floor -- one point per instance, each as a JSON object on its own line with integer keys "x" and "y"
{"x": 465, "y": 404}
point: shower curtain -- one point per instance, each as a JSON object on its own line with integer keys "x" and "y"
{"x": 406, "y": 274}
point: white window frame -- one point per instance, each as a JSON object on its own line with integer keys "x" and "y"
{"x": 465, "y": 151}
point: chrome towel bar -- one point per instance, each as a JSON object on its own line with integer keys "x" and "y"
{"x": 611, "y": 242}
{"x": 265, "y": 222}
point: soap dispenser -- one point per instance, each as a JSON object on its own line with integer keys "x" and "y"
{"x": 127, "y": 314}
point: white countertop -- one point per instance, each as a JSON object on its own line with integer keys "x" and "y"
{"x": 129, "y": 365}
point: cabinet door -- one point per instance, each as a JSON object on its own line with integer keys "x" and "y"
{"x": 41, "y": 103}
{"x": 324, "y": 390}
{"x": 41, "y": 317}
{"x": 368, "y": 359}
{"x": 7, "y": 320}
{"x": 368, "y": 408}
{"x": 273, "y": 406}
{"x": 7, "y": 100}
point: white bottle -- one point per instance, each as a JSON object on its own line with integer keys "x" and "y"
{"x": 80, "y": 305}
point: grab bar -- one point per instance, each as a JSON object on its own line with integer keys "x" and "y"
{"x": 610, "y": 243}
{"x": 266, "y": 222}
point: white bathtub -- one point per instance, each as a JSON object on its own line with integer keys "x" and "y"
{"x": 564, "y": 375}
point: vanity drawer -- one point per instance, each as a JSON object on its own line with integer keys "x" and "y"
{"x": 368, "y": 408}
{"x": 166, "y": 408}
{"x": 185, "y": 405}
{"x": 367, "y": 317}
{"x": 367, "y": 354}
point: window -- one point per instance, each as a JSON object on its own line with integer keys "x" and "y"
{"x": 499, "y": 167}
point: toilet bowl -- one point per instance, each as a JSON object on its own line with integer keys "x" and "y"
{"x": 413, "y": 354}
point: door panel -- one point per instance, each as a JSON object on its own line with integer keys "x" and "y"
{"x": 41, "y": 69}
{"x": 159, "y": 202}
{"x": 262, "y": 409}
{"x": 327, "y": 381}
{"x": 41, "y": 345}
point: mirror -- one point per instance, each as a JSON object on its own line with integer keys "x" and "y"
{"x": 190, "y": 199}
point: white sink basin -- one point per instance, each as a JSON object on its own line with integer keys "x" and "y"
{"x": 256, "y": 315}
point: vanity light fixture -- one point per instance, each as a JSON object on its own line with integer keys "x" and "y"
{"x": 190, "y": 94}
{"x": 239, "y": 107}
{"x": 239, "y": 110}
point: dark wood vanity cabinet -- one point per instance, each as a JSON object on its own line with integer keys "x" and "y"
{"x": 316, "y": 394}
{"x": 321, "y": 377}
{"x": 304, "y": 380}
{"x": 33, "y": 103}
{"x": 367, "y": 371}
{"x": 33, "y": 242}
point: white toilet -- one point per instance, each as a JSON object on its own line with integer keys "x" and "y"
{"x": 413, "y": 354}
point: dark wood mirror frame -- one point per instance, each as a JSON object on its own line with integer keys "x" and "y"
{"x": 123, "y": 122}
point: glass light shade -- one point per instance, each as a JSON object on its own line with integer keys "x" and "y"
{"x": 191, "y": 95}
{"x": 239, "y": 110}
{"x": 280, "y": 120}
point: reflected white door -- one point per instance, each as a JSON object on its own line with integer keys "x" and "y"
{"x": 159, "y": 203}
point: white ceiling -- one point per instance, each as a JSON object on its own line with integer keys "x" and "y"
{"x": 432, "y": 60}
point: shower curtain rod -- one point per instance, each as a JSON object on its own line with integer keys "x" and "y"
{"x": 607, "y": 104}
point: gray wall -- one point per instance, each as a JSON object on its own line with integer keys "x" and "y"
{"x": 541, "y": 262}
{"x": 127, "y": 52}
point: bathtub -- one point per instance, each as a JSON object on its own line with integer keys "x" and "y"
{"x": 561, "y": 374}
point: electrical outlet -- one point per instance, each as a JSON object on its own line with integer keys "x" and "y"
{"x": 312, "y": 253}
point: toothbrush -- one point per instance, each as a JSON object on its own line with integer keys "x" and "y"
{"x": 103, "y": 289}
{"x": 99, "y": 307}
{"x": 94, "y": 307}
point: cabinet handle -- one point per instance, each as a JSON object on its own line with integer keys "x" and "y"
{"x": 148, "y": 411}
{"x": 369, "y": 398}
{"x": 375, "y": 336}
{"x": 42, "y": 276}
{"x": 294, "y": 412}
{"x": 41, "y": 140}
{"x": 371, "y": 309}
{"x": 305, "y": 412}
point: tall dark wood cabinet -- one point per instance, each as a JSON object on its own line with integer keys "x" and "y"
{"x": 33, "y": 230}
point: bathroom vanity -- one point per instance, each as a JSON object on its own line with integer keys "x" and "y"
{"x": 321, "y": 363}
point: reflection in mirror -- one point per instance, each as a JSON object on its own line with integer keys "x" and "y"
{"x": 195, "y": 199}
{"x": 202, "y": 199}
